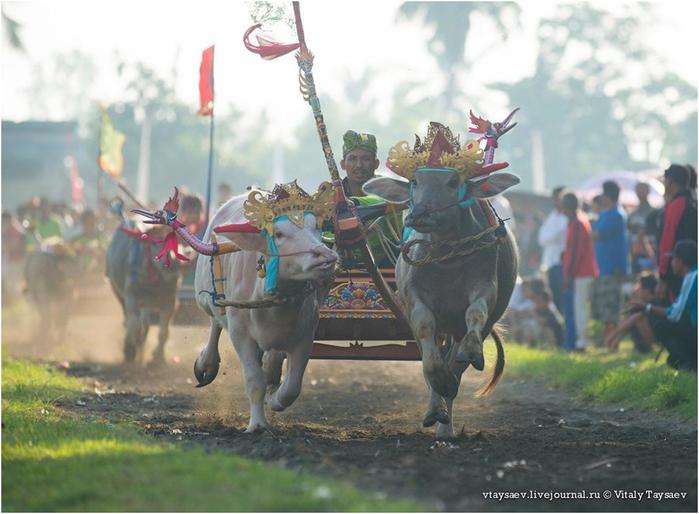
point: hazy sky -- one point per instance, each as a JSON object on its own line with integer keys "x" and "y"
{"x": 347, "y": 38}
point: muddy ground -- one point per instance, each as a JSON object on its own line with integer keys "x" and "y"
{"x": 360, "y": 422}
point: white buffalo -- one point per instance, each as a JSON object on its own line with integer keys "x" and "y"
{"x": 264, "y": 336}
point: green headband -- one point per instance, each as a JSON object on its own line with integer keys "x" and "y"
{"x": 352, "y": 140}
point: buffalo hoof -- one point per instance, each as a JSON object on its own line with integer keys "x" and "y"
{"x": 157, "y": 363}
{"x": 445, "y": 384}
{"x": 205, "y": 372}
{"x": 256, "y": 428}
{"x": 129, "y": 355}
{"x": 274, "y": 404}
{"x": 474, "y": 358}
{"x": 470, "y": 351}
{"x": 158, "y": 360}
{"x": 434, "y": 416}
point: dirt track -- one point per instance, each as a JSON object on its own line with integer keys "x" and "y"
{"x": 361, "y": 422}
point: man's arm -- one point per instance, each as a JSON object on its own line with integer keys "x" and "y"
{"x": 609, "y": 226}
{"x": 551, "y": 230}
{"x": 570, "y": 254}
{"x": 674, "y": 312}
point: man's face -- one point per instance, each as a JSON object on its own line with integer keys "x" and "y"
{"x": 360, "y": 165}
{"x": 190, "y": 216}
{"x": 642, "y": 191}
{"x": 677, "y": 267}
{"x": 606, "y": 202}
{"x": 557, "y": 201}
{"x": 646, "y": 295}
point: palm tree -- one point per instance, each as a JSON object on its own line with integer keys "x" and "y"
{"x": 452, "y": 23}
{"x": 11, "y": 29}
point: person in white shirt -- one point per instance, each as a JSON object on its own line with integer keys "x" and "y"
{"x": 552, "y": 238}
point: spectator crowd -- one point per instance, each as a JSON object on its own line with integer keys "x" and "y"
{"x": 78, "y": 235}
{"x": 606, "y": 273}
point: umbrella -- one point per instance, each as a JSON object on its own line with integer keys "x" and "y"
{"x": 627, "y": 181}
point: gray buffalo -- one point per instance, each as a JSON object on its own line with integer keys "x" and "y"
{"x": 49, "y": 275}
{"x": 460, "y": 298}
{"x": 143, "y": 287}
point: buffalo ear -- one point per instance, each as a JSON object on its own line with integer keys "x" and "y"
{"x": 391, "y": 190}
{"x": 492, "y": 185}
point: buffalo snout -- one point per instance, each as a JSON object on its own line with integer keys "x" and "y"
{"x": 323, "y": 256}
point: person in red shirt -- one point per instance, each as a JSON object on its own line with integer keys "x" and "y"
{"x": 679, "y": 222}
{"x": 579, "y": 271}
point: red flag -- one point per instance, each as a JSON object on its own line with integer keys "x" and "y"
{"x": 206, "y": 83}
{"x": 76, "y": 183}
{"x": 268, "y": 48}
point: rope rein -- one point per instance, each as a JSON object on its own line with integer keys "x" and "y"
{"x": 460, "y": 247}
{"x": 273, "y": 301}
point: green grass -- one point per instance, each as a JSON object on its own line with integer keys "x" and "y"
{"x": 54, "y": 461}
{"x": 625, "y": 378}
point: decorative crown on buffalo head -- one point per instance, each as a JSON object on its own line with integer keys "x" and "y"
{"x": 263, "y": 207}
{"x": 439, "y": 149}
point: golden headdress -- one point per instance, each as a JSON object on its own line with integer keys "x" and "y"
{"x": 439, "y": 149}
{"x": 263, "y": 207}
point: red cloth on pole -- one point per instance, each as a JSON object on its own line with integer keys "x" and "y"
{"x": 76, "y": 183}
{"x": 206, "y": 82}
{"x": 267, "y": 47}
{"x": 247, "y": 228}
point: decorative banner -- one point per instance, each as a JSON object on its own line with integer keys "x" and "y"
{"x": 76, "y": 182}
{"x": 268, "y": 48}
{"x": 279, "y": 24}
{"x": 111, "y": 159}
{"x": 206, "y": 82}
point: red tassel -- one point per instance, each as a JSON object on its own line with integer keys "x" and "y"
{"x": 169, "y": 245}
{"x": 490, "y": 168}
{"x": 268, "y": 49}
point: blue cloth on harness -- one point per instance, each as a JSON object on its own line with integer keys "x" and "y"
{"x": 272, "y": 265}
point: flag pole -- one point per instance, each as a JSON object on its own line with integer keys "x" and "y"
{"x": 211, "y": 146}
{"x": 100, "y": 179}
{"x": 210, "y": 172}
{"x": 126, "y": 191}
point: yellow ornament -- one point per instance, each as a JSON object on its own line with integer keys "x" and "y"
{"x": 263, "y": 207}
{"x": 466, "y": 160}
